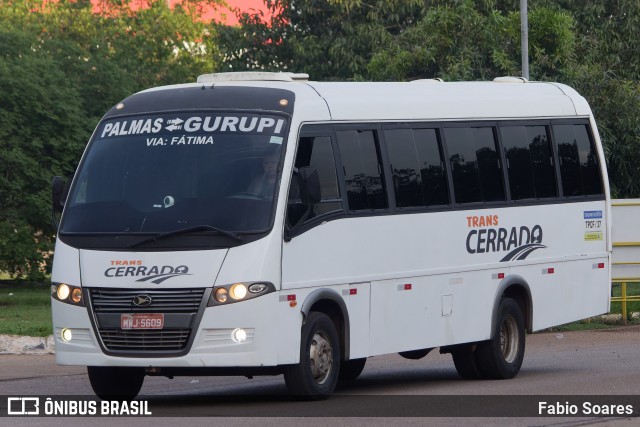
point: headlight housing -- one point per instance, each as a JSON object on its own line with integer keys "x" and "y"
{"x": 67, "y": 293}
{"x": 240, "y": 291}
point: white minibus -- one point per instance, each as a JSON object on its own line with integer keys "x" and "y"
{"x": 264, "y": 224}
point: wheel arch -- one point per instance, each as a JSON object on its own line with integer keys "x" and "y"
{"x": 331, "y": 303}
{"x": 517, "y": 288}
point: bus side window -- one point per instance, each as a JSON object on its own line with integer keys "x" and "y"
{"x": 579, "y": 166}
{"x": 475, "y": 164}
{"x": 530, "y": 162}
{"x": 417, "y": 167}
{"x": 362, "y": 164}
{"x": 316, "y": 152}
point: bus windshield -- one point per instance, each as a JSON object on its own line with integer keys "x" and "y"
{"x": 163, "y": 173}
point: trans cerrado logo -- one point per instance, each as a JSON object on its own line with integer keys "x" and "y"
{"x": 154, "y": 274}
{"x": 486, "y": 236}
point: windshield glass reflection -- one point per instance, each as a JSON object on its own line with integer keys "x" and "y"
{"x": 157, "y": 174}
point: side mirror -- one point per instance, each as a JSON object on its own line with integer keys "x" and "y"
{"x": 59, "y": 192}
{"x": 57, "y": 188}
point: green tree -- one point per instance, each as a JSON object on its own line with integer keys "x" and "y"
{"x": 329, "y": 39}
{"x": 61, "y": 67}
{"x": 42, "y": 125}
{"x": 462, "y": 42}
{"x": 607, "y": 73}
{"x": 608, "y": 32}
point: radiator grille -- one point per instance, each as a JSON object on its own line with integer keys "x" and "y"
{"x": 163, "y": 301}
{"x": 166, "y": 340}
{"x": 176, "y": 304}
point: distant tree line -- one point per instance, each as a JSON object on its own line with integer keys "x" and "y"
{"x": 63, "y": 64}
{"x": 592, "y": 45}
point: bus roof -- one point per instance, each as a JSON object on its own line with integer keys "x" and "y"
{"x": 440, "y": 100}
{"x": 417, "y": 100}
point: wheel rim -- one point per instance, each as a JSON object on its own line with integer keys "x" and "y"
{"x": 320, "y": 357}
{"x": 509, "y": 342}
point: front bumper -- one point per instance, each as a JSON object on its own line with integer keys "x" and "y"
{"x": 211, "y": 345}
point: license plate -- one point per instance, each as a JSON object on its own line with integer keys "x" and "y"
{"x": 142, "y": 321}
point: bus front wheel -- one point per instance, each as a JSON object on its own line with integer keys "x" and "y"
{"x": 501, "y": 357}
{"x": 115, "y": 383}
{"x": 316, "y": 375}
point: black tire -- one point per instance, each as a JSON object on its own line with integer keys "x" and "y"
{"x": 115, "y": 383}
{"x": 466, "y": 365}
{"x": 501, "y": 357}
{"x": 316, "y": 376}
{"x": 351, "y": 369}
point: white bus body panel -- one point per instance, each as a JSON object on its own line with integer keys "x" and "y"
{"x": 179, "y": 269}
{"x": 425, "y": 285}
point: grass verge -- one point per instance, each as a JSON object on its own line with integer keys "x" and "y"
{"x": 593, "y": 324}
{"x": 25, "y": 309}
{"x": 632, "y": 289}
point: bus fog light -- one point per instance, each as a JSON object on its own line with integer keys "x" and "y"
{"x": 238, "y": 291}
{"x": 63, "y": 292}
{"x": 239, "y": 335}
{"x": 66, "y": 335}
{"x": 221, "y": 295}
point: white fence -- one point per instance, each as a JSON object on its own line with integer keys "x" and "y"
{"x": 625, "y": 235}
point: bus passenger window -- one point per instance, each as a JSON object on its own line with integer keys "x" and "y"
{"x": 434, "y": 178}
{"x": 363, "y": 170}
{"x": 316, "y": 152}
{"x": 579, "y": 165}
{"x": 475, "y": 164}
{"x": 417, "y": 167}
{"x": 530, "y": 162}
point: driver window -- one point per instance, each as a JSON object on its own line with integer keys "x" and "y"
{"x": 315, "y": 152}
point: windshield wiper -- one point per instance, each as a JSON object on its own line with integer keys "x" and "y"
{"x": 203, "y": 227}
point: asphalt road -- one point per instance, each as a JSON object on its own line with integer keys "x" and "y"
{"x": 574, "y": 367}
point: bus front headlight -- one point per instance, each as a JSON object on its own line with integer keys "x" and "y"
{"x": 221, "y": 295}
{"x": 240, "y": 291}
{"x": 67, "y": 293}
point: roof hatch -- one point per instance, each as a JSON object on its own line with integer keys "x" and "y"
{"x": 243, "y": 76}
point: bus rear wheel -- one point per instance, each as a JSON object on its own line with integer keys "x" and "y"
{"x": 115, "y": 383}
{"x": 501, "y": 357}
{"x": 466, "y": 365}
{"x": 316, "y": 375}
